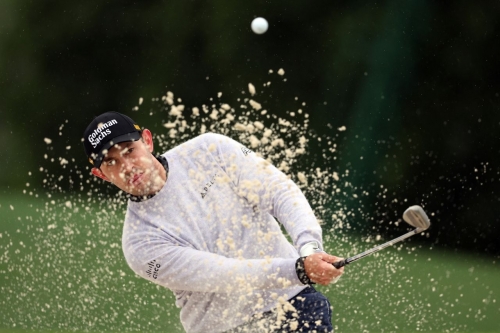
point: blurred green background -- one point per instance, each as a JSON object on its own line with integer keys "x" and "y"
{"x": 415, "y": 82}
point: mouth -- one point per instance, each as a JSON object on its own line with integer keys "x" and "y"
{"x": 135, "y": 179}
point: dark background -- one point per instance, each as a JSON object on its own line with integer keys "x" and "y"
{"x": 415, "y": 82}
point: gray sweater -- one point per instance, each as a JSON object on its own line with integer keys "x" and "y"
{"x": 210, "y": 234}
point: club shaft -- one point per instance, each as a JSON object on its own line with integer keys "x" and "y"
{"x": 376, "y": 248}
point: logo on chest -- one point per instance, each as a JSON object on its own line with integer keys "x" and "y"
{"x": 207, "y": 187}
{"x": 246, "y": 151}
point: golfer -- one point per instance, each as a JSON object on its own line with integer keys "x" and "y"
{"x": 202, "y": 221}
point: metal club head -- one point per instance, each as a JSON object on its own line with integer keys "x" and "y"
{"x": 416, "y": 217}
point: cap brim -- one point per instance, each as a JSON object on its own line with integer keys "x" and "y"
{"x": 134, "y": 136}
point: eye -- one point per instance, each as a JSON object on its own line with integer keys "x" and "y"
{"x": 128, "y": 151}
{"x": 110, "y": 163}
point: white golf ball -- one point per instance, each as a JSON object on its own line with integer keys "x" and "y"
{"x": 259, "y": 25}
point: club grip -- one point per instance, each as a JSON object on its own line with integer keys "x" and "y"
{"x": 340, "y": 263}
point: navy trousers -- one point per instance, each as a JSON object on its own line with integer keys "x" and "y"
{"x": 309, "y": 311}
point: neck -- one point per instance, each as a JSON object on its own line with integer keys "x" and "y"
{"x": 158, "y": 178}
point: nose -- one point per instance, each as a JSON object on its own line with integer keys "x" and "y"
{"x": 127, "y": 165}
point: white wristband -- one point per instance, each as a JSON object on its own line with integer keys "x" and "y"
{"x": 309, "y": 248}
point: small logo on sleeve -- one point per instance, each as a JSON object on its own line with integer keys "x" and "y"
{"x": 246, "y": 151}
{"x": 153, "y": 269}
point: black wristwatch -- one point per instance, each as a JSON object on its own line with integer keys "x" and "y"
{"x": 301, "y": 271}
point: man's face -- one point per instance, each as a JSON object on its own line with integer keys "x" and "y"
{"x": 132, "y": 168}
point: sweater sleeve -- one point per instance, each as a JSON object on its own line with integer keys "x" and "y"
{"x": 266, "y": 187}
{"x": 184, "y": 268}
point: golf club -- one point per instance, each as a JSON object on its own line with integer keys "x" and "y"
{"x": 414, "y": 216}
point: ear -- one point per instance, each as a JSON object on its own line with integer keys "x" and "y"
{"x": 98, "y": 173}
{"x": 147, "y": 136}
